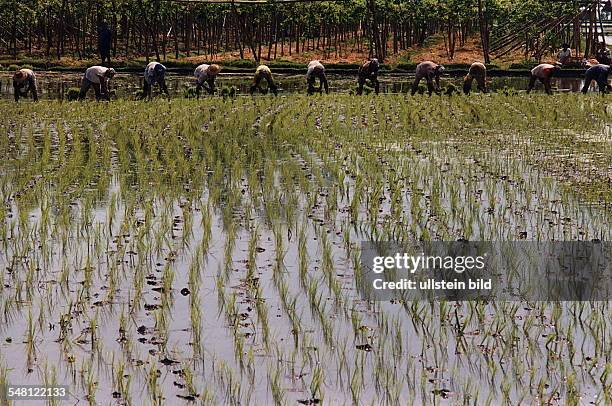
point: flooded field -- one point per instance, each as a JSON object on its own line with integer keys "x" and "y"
{"x": 54, "y": 85}
{"x": 183, "y": 251}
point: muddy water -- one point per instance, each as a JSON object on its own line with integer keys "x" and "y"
{"x": 55, "y": 85}
{"x": 213, "y": 369}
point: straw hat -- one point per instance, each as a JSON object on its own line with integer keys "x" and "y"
{"x": 214, "y": 69}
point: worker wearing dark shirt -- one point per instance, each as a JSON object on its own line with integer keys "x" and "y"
{"x": 105, "y": 37}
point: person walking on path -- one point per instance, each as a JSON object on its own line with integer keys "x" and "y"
{"x": 105, "y": 37}
{"x": 263, "y": 73}
{"x": 205, "y": 77}
{"x": 598, "y": 73}
{"x": 543, "y": 72}
{"x": 24, "y": 82}
{"x": 477, "y": 71}
{"x": 368, "y": 71}
{"x": 98, "y": 78}
{"x": 316, "y": 70}
{"x": 431, "y": 72}
{"x": 155, "y": 73}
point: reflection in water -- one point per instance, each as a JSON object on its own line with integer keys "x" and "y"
{"x": 55, "y": 85}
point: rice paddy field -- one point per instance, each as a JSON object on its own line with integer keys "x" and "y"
{"x": 205, "y": 252}
{"x": 55, "y": 85}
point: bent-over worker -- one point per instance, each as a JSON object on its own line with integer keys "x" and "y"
{"x": 206, "y": 74}
{"x": 155, "y": 73}
{"x": 316, "y": 70}
{"x": 477, "y": 71}
{"x": 431, "y": 72}
{"x": 369, "y": 71}
{"x": 24, "y": 81}
{"x": 543, "y": 72}
{"x": 263, "y": 73}
{"x": 98, "y": 78}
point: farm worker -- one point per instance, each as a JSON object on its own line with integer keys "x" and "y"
{"x": 589, "y": 62}
{"x": 479, "y": 72}
{"x": 97, "y": 77}
{"x": 24, "y": 81}
{"x": 543, "y": 72}
{"x": 598, "y": 73}
{"x": 369, "y": 71}
{"x": 154, "y": 73}
{"x": 206, "y": 74}
{"x": 263, "y": 72}
{"x": 316, "y": 70}
{"x": 429, "y": 71}
{"x": 603, "y": 54}
{"x": 565, "y": 54}
{"x": 105, "y": 36}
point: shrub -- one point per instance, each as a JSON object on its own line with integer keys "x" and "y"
{"x": 190, "y": 92}
{"x": 13, "y": 67}
{"x": 230, "y": 92}
{"x": 73, "y": 93}
{"x": 508, "y": 91}
{"x": 451, "y": 89}
{"x": 241, "y": 63}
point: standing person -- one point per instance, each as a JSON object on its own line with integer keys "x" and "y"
{"x": 369, "y": 71}
{"x": 105, "y": 36}
{"x": 565, "y": 54}
{"x": 429, "y": 71}
{"x": 316, "y": 70}
{"x": 24, "y": 81}
{"x": 543, "y": 72}
{"x": 603, "y": 54}
{"x": 154, "y": 73}
{"x": 206, "y": 74}
{"x": 97, "y": 77}
{"x": 263, "y": 72}
{"x": 598, "y": 73}
{"x": 477, "y": 71}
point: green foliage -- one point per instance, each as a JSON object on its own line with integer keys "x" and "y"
{"x": 190, "y": 92}
{"x": 508, "y": 91}
{"x": 451, "y": 89}
{"x": 230, "y": 92}
{"x": 241, "y": 63}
